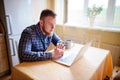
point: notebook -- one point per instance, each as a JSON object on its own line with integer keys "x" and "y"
{"x": 74, "y": 54}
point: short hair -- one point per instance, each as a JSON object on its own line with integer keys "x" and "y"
{"x": 47, "y": 12}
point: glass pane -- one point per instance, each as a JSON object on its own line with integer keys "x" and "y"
{"x": 59, "y": 11}
{"x": 103, "y": 3}
{"x": 100, "y": 19}
{"x": 75, "y": 11}
{"x": 117, "y": 13}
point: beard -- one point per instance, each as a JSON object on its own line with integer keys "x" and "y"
{"x": 44, "y": 31}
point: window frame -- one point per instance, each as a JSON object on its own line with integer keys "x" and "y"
{"x": 109, "y": 22}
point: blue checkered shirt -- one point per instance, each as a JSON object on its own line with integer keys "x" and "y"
{"x": 33, "y": 44}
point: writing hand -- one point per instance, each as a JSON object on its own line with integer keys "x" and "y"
{"x": 58, "y": 53}
{"x": 60, "y": 46}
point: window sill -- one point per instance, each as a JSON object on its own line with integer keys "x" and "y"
{"x": 111, "y": 29}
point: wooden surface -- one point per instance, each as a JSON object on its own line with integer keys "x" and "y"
{"x": 3, "y": 55}
{"x": 95, "y": 65}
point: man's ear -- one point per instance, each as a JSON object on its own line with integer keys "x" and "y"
{"x": 41, "y": 22}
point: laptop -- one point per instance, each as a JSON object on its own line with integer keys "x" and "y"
{"x": 74, "y": 54}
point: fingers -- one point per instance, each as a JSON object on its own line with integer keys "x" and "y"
{"x": 58, "y": 53}
{"x": 60, "y": 46}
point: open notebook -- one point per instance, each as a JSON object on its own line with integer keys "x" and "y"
{"x": 74, "y": 54}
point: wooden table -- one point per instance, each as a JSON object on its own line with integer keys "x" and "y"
{"x": 95, "y": 65}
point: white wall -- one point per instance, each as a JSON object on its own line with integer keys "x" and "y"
{"x": 38, "y": 6}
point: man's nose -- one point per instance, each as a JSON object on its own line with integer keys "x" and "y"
{"x": 53, "y": 26}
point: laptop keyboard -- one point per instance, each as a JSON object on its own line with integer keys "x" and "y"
{"x": 68, "y": 57}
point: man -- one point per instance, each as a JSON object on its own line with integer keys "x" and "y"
{"x": 36, "y": 39}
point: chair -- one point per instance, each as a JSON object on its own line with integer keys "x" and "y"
{"x": 116, "y": 73}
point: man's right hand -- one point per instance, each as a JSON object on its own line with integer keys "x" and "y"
{"x": 58, "y": 51}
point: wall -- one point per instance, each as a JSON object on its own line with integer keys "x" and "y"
{"x": 51, "y": 4}
{"x": 38, "y": 6}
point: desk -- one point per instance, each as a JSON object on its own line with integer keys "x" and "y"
{"x": 95, "y": 65}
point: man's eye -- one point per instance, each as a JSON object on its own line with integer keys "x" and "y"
{"x": 49, "y": 24}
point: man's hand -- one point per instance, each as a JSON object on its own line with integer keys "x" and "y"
{"x": 58, "y": 51}
{"x": 60, "y": 46}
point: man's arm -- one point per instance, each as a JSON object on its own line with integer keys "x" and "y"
{"x": 25, "y": 52}
{"x": 56, "y": 39}
{"x": 59, "y": 49}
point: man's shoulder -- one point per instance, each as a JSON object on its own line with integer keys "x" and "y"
{"x": 30, "y": 29}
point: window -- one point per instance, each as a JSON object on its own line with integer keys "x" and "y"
{"x": 76, "y": 12}
{"x": 101, "y": 18}
{"x": 59, "y": 9}
{"x": 117, "y": 13}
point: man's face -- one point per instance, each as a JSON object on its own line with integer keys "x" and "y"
{"x": 47, "y": 25}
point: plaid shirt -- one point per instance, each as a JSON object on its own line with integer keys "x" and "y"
{"x": 33, "y": 44}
